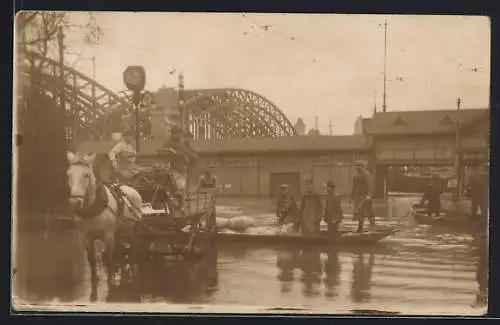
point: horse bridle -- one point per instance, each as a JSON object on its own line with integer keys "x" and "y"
{"x": 85, "y": 196}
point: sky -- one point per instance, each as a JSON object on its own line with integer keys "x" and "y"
{"x": 308, "y": 65}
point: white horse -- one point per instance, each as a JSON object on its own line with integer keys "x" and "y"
{"x": 98, "y": 209}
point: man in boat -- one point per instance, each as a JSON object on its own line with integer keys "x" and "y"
{"x": 333, "y": 209}
{"x": 310, "y": 210}
{"x": 207, "y": 180}
{"x": 361, "y": 197}
{"x": 123, "y": 156}
{"x": 432, "y": 196}
{"x": 286, "y": 208}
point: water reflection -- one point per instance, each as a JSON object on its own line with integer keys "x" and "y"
{"x": 361, "y": 277}
{"x": 175, "y": 281}
{"x": 48, "y": 267}
{"x": 310, "y": 264}
{"x": 287, "y": 262}
{"x": 332, "y": 268}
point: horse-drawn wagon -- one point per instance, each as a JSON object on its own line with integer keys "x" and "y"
{"x": 178, "y": 219}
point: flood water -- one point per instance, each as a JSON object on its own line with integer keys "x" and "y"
{"x": 420, "y": 268}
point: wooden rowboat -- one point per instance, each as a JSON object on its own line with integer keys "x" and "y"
{"x": 344, "y": 238}
{"x": 420, "y": 215}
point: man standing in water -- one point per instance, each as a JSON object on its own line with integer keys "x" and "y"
{"x": 477, "y": 192}
{"x": 361, "y": 197}
{"x": 433, "y": 197}
{"x": 310, "y": 210}
{"x": 333, "y": 209}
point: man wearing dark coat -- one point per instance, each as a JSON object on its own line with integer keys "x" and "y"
{"x": 361, "y": 197}
{"x": 477, "y": 192}
{"x": 433, "y": 197}
{"x": 310, "y": 210}
{"x": 333, "y": 209}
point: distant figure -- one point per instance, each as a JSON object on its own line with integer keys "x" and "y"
{"x": 310, "y": 210}
{"x": 208, "y": 180}
{"x": 432, "y": 196}
{"x": 333, "y": 209}
{"x": 361, "y": 197}
{"x": 123, "y": 156}
{"x": 286, "y": 208}
{"x": 180, "y": 143}
{"x": 477, "y": 192}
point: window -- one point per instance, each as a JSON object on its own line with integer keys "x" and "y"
{"x": 232, "y": 162}
{"x": 214, "y": 162}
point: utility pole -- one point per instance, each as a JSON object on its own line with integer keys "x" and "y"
{"x": 374, "y": 102}
{"x": 93, "y": 67}
{"x": 182, "y": 111}
{"x": 384, "y": 103}
{"x": 457, "y": 152}
{"x": 331, "y": 127}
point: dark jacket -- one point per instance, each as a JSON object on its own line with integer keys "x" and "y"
{"x": 433, "y": 196}
{"x": 312, "y": 200}
{"x": 286, "y": 209}
{"x": 362, "y": 186}
{"x": 477, "y": 189}
{"x": 333, "y": 208}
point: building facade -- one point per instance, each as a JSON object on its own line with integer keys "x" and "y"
{"x": 256, "y": 167}
{"x": 427, "y": 138}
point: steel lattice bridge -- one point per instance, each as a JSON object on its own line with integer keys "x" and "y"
{"x": 220, "y": 113}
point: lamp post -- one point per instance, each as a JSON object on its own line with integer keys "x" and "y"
{"x": 134, "y": 78}
{"x": 457, "y": 152}
{"x": 182, "y": 110}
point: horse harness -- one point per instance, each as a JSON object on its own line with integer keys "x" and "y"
{"x": 101, "y": 202}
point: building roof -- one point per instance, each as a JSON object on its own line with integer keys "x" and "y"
{"x": 420, "y": 122}
{"x": 254, "y": 145}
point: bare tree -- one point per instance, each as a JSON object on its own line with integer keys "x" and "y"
{"x": 36, "y": 31}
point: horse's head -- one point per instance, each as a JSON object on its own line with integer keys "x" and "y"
{"x": 81, "y": 181}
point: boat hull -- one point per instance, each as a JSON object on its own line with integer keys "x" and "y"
{"x": 344, "y": 238}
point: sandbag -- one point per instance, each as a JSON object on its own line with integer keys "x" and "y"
{"x": 241, "y": 223}
{"x": 237, "y": 223}
{"x": 221, "y": 223}
{"x": 399, "y": 206}
{"x": 262, "y": 231}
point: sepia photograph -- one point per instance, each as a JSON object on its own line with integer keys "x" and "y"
{"x": 250, "y": 163}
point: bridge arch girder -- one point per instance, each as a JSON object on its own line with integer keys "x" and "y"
{"x": 260, "y": 116}
{"x": 87, "y": 102}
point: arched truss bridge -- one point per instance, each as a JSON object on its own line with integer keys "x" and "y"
{"x": 211, "y": 113}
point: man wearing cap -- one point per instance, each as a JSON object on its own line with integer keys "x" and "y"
{"x": 286, "y": 208}
{"x": 310, "y": 210}
{"x": 361, "y": 197}
{"x": 333, "y": 209}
